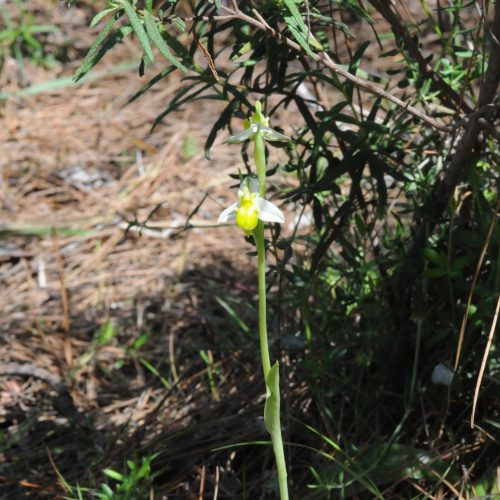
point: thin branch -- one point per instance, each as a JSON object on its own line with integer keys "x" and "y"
{"x": 488, "y": 127}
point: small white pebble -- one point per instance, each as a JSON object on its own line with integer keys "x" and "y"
{"x": 442, "y": 374}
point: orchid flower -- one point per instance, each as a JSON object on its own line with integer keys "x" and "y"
{"x": 250, "y": 208}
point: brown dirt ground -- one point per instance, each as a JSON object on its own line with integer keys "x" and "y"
{"x": 77, "y": 166}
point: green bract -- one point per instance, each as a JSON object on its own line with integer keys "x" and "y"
{"x": 258, "y": 123}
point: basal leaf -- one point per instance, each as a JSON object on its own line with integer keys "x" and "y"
{"x": 272, "y": 405}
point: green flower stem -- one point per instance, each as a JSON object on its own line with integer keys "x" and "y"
{"x": 259, "y": 156}
{"x": 279, "y": 453}
{"x": 261, "y": 257}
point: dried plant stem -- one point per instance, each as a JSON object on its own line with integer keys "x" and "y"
{"x": 483, "y": 362}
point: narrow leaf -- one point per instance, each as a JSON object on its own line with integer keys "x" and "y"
{"x": 436, "y": 258}
{"x": 100, "y": 15}
{"x": 179, "y": 101}
{"x": 139, "y": 30}
{"x": 151, "y": 82}
{"x": 114, "y": 475}
{"x": 89, "y": 60}
{"x": 115, "y": 38}
{"x": 299, "y": 37}
{"x": 156, "y": 37}
{"x": 221, "y": 122}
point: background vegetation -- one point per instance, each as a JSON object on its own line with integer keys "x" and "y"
{"x": 389, "y": 266}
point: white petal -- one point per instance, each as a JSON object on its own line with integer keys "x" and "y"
{"x": 229, "y": 213}
{"x": 269, "y": 212}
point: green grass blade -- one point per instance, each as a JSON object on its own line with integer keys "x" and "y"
{"x": 155, "y": 372}
{"x": 233, "y": 314}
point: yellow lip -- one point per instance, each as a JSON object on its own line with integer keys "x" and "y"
{"x": 247, "y": 214}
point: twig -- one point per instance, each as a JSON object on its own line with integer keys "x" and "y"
{"x": 202, "y": 483}
{"x": 30, "y": 370}
{"x": 488, "y": 127}
{"x": 464, "y": 122}
{"x": 216, "y": 489}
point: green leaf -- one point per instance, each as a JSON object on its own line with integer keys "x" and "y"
{"x": 180, "y": 24}
{"x": 299, "y": 37}
{"x": 461, "y": 262}
{"x": 156, "y": 373}
{"x": 233, "y": 314}
{"x": 145, "y": 468}
{"x": 156, "y": 37}
{"x": 434, "y": 273}
{"x": 179, "y": 100}
{"x": 272, "y": 406}
{"x": 296, "y": 16}
{"x": 106, "y": 333}
{"x": 100, "y": 15}
{"x": 114, "y": 475}
{"x": 91, "y": 58}
{"x": 241, "y": 51}
{"x": 140, "y": 341}
{"x": 139, "y": 30}
{"x": 151, "y": 82}
{"x": 435, "y": 257}
{"x": 298, "y": 28}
